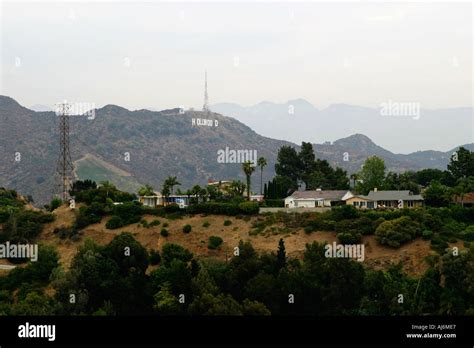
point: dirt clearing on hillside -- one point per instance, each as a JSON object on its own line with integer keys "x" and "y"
{"x": 412, "y": 255}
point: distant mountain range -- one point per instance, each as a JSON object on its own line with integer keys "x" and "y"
{"x": 159, "y": 144}
{"x": 298, "y": 120}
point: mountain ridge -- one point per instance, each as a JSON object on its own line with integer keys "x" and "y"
{"x": 439, "y": 129}
{"x": 160, "y": 144}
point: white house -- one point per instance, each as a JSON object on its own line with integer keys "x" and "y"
{"x": 386, "y": 199}
{"x": 317, "y": 198}
{"x": 158, "y": 199}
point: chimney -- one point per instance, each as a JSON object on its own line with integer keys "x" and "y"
{"x": 375, "y": 189}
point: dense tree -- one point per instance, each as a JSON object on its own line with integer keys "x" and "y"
{"x": 254, "y": 308}
{"x": 305, "y": 167}
{"x": 165, "y": 302}
{"x": 436, "y": 194}
{"x": 127, "y": 253}
{"x": 82, "y": 185}
{"x": 458, "y": 292}
{"x": 463, "y": 187}
{"x": 237, "y": 188}
{"x": 108, "y": 187}
{"x": 281, "y": 254}
{"x": 209, "y": 304}
{"x": 280, "y": 187}
{"x": 325, "y": 177}
{"x": 401, "y": 181}
{"x": 425, "y": 176}
{"x": 461, "y": 164}
{"x": 174, "y": 251}
{"x": 288, "y": 164}
{"x": 372, "y": 175}
{"x": 307, "y": 163}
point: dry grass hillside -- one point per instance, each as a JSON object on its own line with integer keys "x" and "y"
{"x": 412, "y": 254}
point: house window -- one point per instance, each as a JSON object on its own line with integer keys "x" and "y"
{"x": 356, "y": 204}
{"x": 410, "y": 204}
{"x": 362, "y": 204}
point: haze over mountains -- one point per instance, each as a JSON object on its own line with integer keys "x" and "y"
{"x": 161, "y": 144}
{"x": 298, "y": 120}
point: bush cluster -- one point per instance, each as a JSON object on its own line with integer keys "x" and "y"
{"x": 214, "y": 242}
{"x": 219, "y": 208}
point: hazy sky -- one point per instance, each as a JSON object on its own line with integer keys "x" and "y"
{"x": 153, "y": 55}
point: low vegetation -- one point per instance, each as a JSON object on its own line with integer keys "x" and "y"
{"x": 214, "y": 242}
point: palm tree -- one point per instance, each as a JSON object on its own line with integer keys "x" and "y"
{"x": 168, "y": 186}
{"x": 261, "y": 162}
{"x": 248, "y": 169}
{"x": 172, "y": 182}
{"x": 108, "y": 187}
{"x": 146, "y": 190}
{"x": 196, "y": 191}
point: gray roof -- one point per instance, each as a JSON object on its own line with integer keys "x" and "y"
{"x": 394, "y": 196}
{"x": 334, "y": 195}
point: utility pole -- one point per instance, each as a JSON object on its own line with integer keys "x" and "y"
{"x": 65, "y": 166}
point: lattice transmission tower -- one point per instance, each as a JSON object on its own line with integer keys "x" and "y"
{"x": 65, "y": 166}
{"x": 205, "y": 107}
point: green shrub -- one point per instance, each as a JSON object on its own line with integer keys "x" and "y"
{"x": 172, "y": 208}
{"x": 214, "y": 242}
{"x": 344, "y": 212}
{"x": 164, "y": 232}
{"x": 227, "y": 223}
{"x": 9, "y": 198}
{"x": 206, "y": 224}
{"x": 187, "y": 228}
{"x": 398, "y": 231}
{"x": 249, "y": 208}
{"x": 468, "y": 233}
{"x": 439, "y": 245}
{"x": 114, "y": 222}
{"x": 277, "y": 203}
{"x": 220, "y": 208}
{"x": 129, "y": 212}
{"x": 165, "y": 224}
{"x": 309, "y": 229}
{"x": 55, "y": 203}
{"x": 90, "y": 214}
{"x": 24, "y": 225}
{"x": 349, "y": 238}
{"x": 427, "y": 234}
{"x": 154, "y": 223}
{"x": 452, "y": 228}
{"x": 172, "y": 251}
{"x": 154, "y": 257}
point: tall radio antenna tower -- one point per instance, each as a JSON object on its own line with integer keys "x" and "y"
{"x": 65, "y": 166}
{"x": 205, "y": 108}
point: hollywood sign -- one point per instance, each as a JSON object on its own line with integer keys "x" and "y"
{"x": 204, "y": 122}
